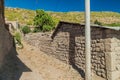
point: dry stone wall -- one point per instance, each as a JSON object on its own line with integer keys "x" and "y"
{"x": 68, "y": 45}
{"x": 40, "y": 40}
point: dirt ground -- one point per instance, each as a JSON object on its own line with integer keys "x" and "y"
{"x": 32, "y": 64}
{"x": 44, "y": 67}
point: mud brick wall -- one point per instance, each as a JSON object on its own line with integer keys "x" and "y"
{"x": 6, "y": 40}
{"x": 113, "y": 54}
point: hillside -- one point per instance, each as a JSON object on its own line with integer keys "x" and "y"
{"x": 26, "y": 16}
{"x": 21, "y": 15}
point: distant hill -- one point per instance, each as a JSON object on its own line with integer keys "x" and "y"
{"x": 26, "y": 16}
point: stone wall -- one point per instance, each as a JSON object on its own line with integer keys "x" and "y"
{"x": 41, "y": 41}
{"x": 113, "y": 54}
{"x": 68, "y": 45}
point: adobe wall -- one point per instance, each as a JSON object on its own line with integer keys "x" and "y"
{"x": 113, "y": 55}
{"x": 6, "y": 40}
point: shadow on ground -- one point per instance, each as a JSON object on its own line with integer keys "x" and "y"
{"x": 13, "y": 67}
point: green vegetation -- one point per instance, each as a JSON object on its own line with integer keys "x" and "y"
{"x": 27, "y": 16}
{"x": 97, "y": 22}
{"x": 24, "y": 16}
{"x": 26, "y": 29}
{"x": 17, "y": 38}
{"x": 36, "y": 29}
{"x": 47, "y": 28}
{"x": 114, "y": 24}
{"x": 43, "y": 21}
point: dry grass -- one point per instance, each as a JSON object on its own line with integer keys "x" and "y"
{"x": 26, "y": 16}
{"x": 48, "y": 67}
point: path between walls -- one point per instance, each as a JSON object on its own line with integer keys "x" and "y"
{"x": 44, "y": 67}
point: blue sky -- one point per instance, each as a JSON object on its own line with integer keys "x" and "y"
{"x": 65, "y": 5}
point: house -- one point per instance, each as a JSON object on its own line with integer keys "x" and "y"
{"x": 67, "y": 43}
{"x": 69, "y": 47}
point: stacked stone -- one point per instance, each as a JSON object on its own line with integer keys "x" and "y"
{"x": 65, "y": 43}
{"x": 68, "y": 46}
{"x": 80, "y": 52}
{"x": 61, "y": 46}
{"x": 97, "y": 52}
{"x": 40, "y": 40}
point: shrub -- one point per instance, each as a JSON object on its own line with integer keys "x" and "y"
{"x": 29, "y": 22}
{"x": 47, "y": 28}
{"x": 36, "y": 29}
{"x": 17, "y": 37}
{"x": 26, "y": 30}
{"x": 97, "y": 22}
{"x": 43, "y": 21}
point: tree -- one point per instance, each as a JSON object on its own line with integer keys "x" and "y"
{"x": 42, "y": 19}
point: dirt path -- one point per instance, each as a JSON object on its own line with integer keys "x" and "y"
{"x": 30, "y": 63}
{"x": 44, "y": 67}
